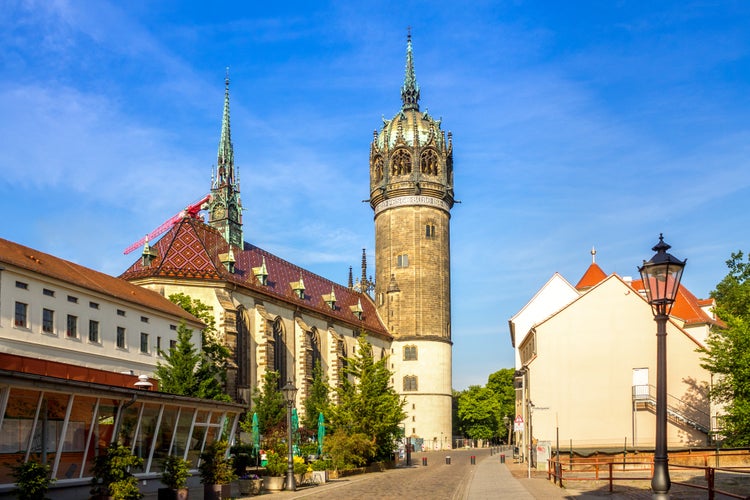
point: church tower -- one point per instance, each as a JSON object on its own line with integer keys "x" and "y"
{"x": 411, "y": 193}
{"x": 225, "y": 207}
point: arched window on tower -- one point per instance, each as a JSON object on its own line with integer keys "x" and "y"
{"x": 243, "y": 350}
{"x": 401, "y": 163}
{"x": 428, "y": 162}
{"x": 410, "y": 353}
{"x": 279, "y": 351}
{"x": 410, "y": 383}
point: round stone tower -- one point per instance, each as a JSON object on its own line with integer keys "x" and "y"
{"x": 411, "y": 192}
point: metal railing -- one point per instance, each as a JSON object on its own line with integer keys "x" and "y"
{"x": 677, "y": 409}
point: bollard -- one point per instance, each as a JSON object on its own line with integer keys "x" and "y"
{"x": 424, "y": 460}
{"x": 448, "y": 460}
{"x": 473, "y": 460}
{"x": 492, "y": 451}
{"x": 502, "y": 458}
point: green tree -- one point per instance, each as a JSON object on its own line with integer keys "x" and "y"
{"x": 478, "y": 410}
{"x": 501, "y": 384}
{"x": 317, "y": 400}
{"x": 367, "y": 404}
{"x": 727, "y": 352}
{"x": 210, "y": 372}
{"x": 177, "y": 375}
{"x": 268, "y": 403}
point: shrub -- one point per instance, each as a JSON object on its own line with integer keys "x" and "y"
{"x": 32, "y": 480}
{"x": 175, "y": 472}
{"x": 349, "y": 451}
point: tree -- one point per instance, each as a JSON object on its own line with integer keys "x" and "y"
{"x": 211, "y": 370}
{"x": 317, "y": 401}
{"x": 728, "y": 351}
{"x": 478, "y": 409}
{"x": 177, "y": 375}
{"x": 367, "y": 404}
{"x": 268, "y": 403}
{"x": 501, "y": 384}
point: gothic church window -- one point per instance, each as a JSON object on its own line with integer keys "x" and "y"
{"x": 313, "y": 352}
{"x": 429, "y": 162}
{"x": 401, "y": 163}
{"x": 279, "y": 352}
{"x": 410, "y": 353}
{"x": 243, "y": 350}
{"x": 410, "y": 383}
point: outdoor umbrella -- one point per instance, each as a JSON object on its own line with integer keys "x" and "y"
{"x": 321, "y": 432}
{"x": 295, "y": 431}
{"x": 256, "y": 435}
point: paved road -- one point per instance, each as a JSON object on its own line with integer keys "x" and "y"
{"x": 436, "y": 481}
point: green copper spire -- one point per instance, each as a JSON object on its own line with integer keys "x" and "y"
{"x": 410, "y": 89}
{"x": 225, "y": 174}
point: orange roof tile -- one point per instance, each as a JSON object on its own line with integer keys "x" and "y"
{"x": 55, "y": 267}
{"x": 592, "y": 277}
{"x": 192, "y": 249}
{"x": 687, "y": 306}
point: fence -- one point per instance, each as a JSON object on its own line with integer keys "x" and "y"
{"x": 713, "y": 479}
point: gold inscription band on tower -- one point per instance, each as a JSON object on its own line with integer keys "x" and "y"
{"x": 411, "y": 200}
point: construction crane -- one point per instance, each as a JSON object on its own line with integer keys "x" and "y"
{"x": 190, "y": 211}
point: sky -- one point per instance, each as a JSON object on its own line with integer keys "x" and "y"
{"x": 576, "y": 125}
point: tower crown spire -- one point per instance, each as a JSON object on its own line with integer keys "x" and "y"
{"x": 410, "y": 89}
{"x": 226, "y": 150}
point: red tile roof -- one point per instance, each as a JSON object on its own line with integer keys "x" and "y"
{"x": 687, "y": 306}
{"x": 192, "y": 249}
{"x": 592, "y": 277}
{"x": 57, "y": 268}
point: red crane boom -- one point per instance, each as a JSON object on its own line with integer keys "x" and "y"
{"x": 190, "y": 211}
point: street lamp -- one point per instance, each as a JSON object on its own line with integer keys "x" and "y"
{"x": 289, "y": 392}
{"x": 661, "y": 278}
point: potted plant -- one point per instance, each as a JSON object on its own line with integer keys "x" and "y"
{"x": 112, "y": 477}
{"x": 250, "y": 484}
{"x": 215, "y": 469}
{"x": 174, "y": 474}
{"x": 276, "y": 468}
{"x": 320, "y": 470}
{"x": 32, "y": 480}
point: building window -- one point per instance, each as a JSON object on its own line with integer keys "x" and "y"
{"x": 402, "y": 260}
{"x": 22, "y": 314}
{"x": 410, "y": 383}
{"x": 72, "y": 299}
{"x": 93, "y": 305}
{"x": 172, "y": 344}
{"x": 144, "y": 343}
{"x": 173, "y": 327}
{"x": 48, "y": 292}
{"x": 22, "y": 285}
{"x": 72, "y": 329}
{"x": 121, "y": 337}
{"x": 413, "y": 418}
{"x": 93, "y": 331}
{"x": 144, "y": 319}
{"x": 429, "y": 231}
{"x": 158, "y": 346}
{"x": 48, "y": 320}
{"x": 410, "y": 353}
{"x": 120, "y": 312}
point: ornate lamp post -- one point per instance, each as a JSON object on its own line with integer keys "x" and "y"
{"x": 290, "y": 393}
{"x": 661, "y": 278}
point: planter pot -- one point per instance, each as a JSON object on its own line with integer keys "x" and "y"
{"x": 212, "y": 491}
{"x": 170, "y": 494}
{"x": 250, "y": 486}
{"x": 274, "y": 483}
{"x": 319, "y": 476}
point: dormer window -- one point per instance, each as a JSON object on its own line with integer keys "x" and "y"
{"x": 330, "y": 299}
{"x": 228, "y": 260}
{"x": 298, "y": 287}
{"x": 357, "y": 310}
{"x": 261, "y": 273}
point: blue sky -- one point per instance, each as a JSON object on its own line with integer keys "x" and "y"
{"x": 575, "y": 124}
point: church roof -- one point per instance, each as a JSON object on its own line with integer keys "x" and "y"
{"x": 194, "y": 250}
{"x": 54, "y": 267}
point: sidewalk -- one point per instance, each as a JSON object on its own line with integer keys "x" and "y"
{"x": 492, "y": 479}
